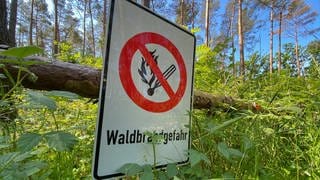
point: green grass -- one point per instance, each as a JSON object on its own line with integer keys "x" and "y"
{"x": 53, "y": 136}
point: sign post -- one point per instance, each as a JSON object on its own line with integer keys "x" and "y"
{"x": 146, "y": 88}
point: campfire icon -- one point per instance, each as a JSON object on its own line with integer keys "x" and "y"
{"x": 148, "y": 76}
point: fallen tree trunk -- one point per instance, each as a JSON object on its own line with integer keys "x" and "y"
{"x": 58, "y": 75}
{"x": 85, "y": 81}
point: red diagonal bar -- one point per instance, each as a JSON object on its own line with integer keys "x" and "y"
{"x": 156, "y": 70}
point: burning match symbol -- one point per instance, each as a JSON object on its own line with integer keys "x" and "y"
{"x": 148, "y": 77}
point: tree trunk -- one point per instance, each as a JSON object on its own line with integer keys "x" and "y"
{"x": 297, "y": 52}
{"x": 41, "y": 44}
{"x": 271, "y": 39}
{"x": 13, "y": 23}
{"x": 4, "y": 34}
{"x": 181, "y": 12}
{"x": 84, "y": 28}
{"x": 146, "y": 3}
{"x": 56, "y": 29}
{"x": 31, "y": 23}
{"x": 37, "y": 26}
{"x": 240, "y": 34}
{"x": 85, "y": 81}
{"x": 20, "y": 36}
{"x": 193, "y": 14}
{"x": 104, "y": 19}
{"x": 234, "y": 70}
{"x": 92, "y": 29}
{"x": 279, "y": 41}
{"x": 207, "y": 24}
{"x": 58, "y": 75}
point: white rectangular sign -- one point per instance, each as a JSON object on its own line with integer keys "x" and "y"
{"x": 146, "y": 87}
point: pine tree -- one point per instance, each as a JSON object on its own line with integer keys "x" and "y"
{"x": 299, "y": 17}
{"x": 13, "y": 23}
{"x": 92, "y": 28}
{"x": 7, "y": 30}
{"x": 240, "y": 36}
{"x": 56, "y": 38}
{"x": 31, "y": 24}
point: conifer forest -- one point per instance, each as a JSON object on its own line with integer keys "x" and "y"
{"x": 255, "y": 99}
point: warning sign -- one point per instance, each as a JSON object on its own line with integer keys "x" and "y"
{"x": 146, "y": 90}
{"x": 159, "y": 77}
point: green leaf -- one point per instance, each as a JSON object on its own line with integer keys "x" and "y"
{"x": 235, "y": 153}
{"x": 13, "y": 173}
{"x": 246, "y": 143}
{"x": 2, "y": 76}
{"x": 43, "y": 175}
{"x": 22, "y": 157}
{"x": 162, "y": 175}
{"x": 22, "y": 52}
{"x": 39, "y": 150}
{"x": 172, "y": 170}
{"x": 33, "y": 167}
{"x": 147, "y": 173}
{"x": 4, "y": 103}
{"x": 268, "y": 131}
{"x": 4, "y": 139}
{"x": 155, "y": 138}
{"x": 196, "y": 157}
{"x": 224, "y": 124}
{"x": 40, "y": 99}
{"x": 287, "y": 117}
{"x": 61, "y": 141}
{"x": 130, "y": 169}
{"x": 147, "y": 176}
{"x": 224, "y": 150}
{"x": 64, "y": 94}
{"x": 228, "y": 175}
{"x": 7, "y": 158}
{"x": 294, "y": 109}
{"x": 27, "y": 141}
{"x": 227, "y": 152}
{"x": 3, "y": 146}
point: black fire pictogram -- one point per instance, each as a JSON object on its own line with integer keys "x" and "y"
{"x": 147, "y": 75}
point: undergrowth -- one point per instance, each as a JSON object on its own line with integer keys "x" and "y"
{"x": 50, "y": 134}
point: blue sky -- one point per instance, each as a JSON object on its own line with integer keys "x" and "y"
{"x": 263, "y": 34}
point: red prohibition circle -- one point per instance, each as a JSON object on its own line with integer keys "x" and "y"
{"x": 138, "y": 43}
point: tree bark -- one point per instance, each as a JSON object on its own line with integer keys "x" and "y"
{"x": 4, "y": 34}
{"x": 13, "y": 23}
{"x": 56, "y": 29}
{"x": 92, "y": 29}
{"x": 31, "y": 23}
{"x": 85, "y": 81}
{"x": 297, "y": 52}
{"x": 36, "y": 21}
{"x": 207, "y": 22}
{"x": 279, "y": 41}
{"x": 182, "y": 13}
{"x": 58, "y": 75}
{"x": 104, "y": 19}
{"x": 240, "y": 34}
{"x": 84, "y": 28}
{"x": 193, "y": 14}
{"x": 271, "y": 39}
{"x": 146, "y": 3}
{"x": 234, "y": 70}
